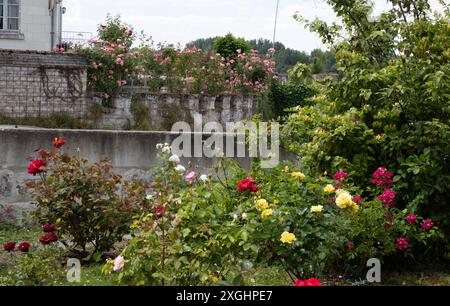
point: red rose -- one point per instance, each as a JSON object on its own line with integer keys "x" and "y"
{"x": 339, "y": 176}
{"x": 402, "y": 243}
{"x": 24, "y": 247}
{"x": 312, "y": 282}
{"x": 58, "y": 142}
{"x": 9, "y": 246}
{"x": 49, "y": 228}
{"x": 350, "y": 246}
{"x": 247, "y": 184}
{"x": 411, "y": 218}
{"x": 49, "y": 238}
{"x": 35, "y": 166}
{"x": 357, "y": 199}
{"x": 427, "y": 225}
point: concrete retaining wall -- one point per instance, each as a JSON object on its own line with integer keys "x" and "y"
{"x": 132, "y": 154}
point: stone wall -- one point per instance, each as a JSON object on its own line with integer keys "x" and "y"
{"x": 38, "y": 84}
{"x": 163, "y": 110}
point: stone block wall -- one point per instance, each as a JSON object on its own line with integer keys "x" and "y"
{"x": 39, "y": 84}
{"x": 163, "y": 110}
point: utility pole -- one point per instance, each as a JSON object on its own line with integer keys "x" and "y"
{"x": 276, "y": 21}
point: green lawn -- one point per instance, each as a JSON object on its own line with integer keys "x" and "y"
{"x": 262, "y": 276}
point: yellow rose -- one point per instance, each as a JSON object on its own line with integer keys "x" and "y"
{"x": 340, "y": 191}
{"x": 286, "y": 169}
{"x": 262, "y": 204}
{"x": 329, "y": 188}
{"x": 344, "y": 200}
{"x": 298, "y": 175}
{"x": 266, "y": 213}
{"x": 287, "y": 237}
{"x": 317, "y": 209}
{"x": 355, "y": 207}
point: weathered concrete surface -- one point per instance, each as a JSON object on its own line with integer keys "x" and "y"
{"x": 163, "y": 110}
{"x": 131, "y": 153}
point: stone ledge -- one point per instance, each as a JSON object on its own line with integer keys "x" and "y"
{"x": 12, "y": 35}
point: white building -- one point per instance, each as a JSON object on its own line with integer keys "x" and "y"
{"x": 30, "y": 24}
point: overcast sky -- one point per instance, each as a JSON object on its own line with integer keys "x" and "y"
{"x": 182, "y": 21}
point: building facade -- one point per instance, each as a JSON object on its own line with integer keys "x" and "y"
{"x": 30, "y": 24}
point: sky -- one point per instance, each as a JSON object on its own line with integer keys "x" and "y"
{"x": 182, "y": 21}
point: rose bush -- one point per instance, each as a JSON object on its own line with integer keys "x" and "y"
{"x": 114, "y": 61}
{"x": 202, "y": 231}
{"x": 90, "y": 205}
{"x": 190, "y": 235}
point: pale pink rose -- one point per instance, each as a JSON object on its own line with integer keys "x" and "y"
{"x": 190, "y": 176}
{"x": 119, "y": 263}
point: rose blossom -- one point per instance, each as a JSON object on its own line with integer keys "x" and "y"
{"x": 388, "y": 197}
{"x": 339, "y": 176}
{"x": 312, "y": 282}
{"x": 119, "y": 263}
{"x": 402, "y": 243}
{"x": 49, "y": 238}
{"x": 247, "y": 184}
{"x": 58, "y": 142}
{"x": 49, "y": 228}
{"x": 24, "y": 247}
{"x": 411, "y": 218}
{"x": 35, "y": 166}
{"x": 427, "y": 225}
{"x": 9, "y": 246}
{"x": 382, "y": 177}
{"x": 357, "y": 199}
{"x": 190, "y": 177}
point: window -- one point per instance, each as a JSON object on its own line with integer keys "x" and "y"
{"x": 9, "y": 15}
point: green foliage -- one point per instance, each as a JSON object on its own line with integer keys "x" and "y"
{"x": 389, "y": 108}
{"x": 111, "y": 60}
{"x": 140, "y": 113}
{"x": 56, "y": 120}
{"x": 228, "y": 45}
{"x": 211, "y": 231}
{"x": 286, "y": 96}
{"x": 84, "y": 201}
{"x": 38, "y": 267}
{"x": 187, "y": 237}
{"x": 285, "y": 58}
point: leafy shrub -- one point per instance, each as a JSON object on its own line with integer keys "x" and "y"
{"x": 111, "y": 59}
{"x": 114, "y": 62}
{"x": 82, "y": 199}
{"x": 202, "y": 230}
{"x": 228, "y": 45}
{"x": 33, "y": 264}
{"x": 389, "y": 108}
{"x": 188, "y": 237}
{"x": 286, "y": 96}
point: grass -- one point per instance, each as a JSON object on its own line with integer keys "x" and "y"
{"x": 262, "y": 276}
{"x": 55, "y": 121}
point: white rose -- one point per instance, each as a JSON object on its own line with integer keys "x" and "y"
{"x": 166, "y": 149}
{"x": 174, "y": 159}
{"x": 159, "y": 146}
{"x": 244, "y": 216}
{"x": 149, "y": 197}
{"x": 203, "y": 178}
{"x": 180, "y": 169}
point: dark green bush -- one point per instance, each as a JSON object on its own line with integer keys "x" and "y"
{"x": 284, "y": 96}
